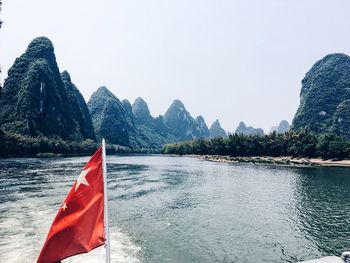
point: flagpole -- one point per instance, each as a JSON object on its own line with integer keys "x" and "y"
{"x": 106, "y": 225}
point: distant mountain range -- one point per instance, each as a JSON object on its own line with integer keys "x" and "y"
{"x": 124, "y": 124}
{"x": 242, "y": 129}
{"x": 38, "y": 100}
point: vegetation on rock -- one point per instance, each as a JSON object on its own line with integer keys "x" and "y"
{"x": 341, "y": 120}
{"x": 152, "y": 132}
{"x": 109, "y": 117}
{"x": 79, "y": 109}
{"x": 34, "y": 100}
{"x": 325, "y": 87}
{"x": 141, "y": 112}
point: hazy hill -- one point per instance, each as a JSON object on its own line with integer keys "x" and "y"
{"x": 282, "y": 127}
{"x": 273, "y": 129}
{"x": 244, "y": 130}
{"x": 216, "y": 130}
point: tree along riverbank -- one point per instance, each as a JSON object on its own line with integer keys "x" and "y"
{"x": 297, "y": 144}
{"x": 18, "y": 145}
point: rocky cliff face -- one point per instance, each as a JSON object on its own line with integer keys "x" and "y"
{"x": 35, "y": 101}
{"x": 180, "y": 122}
{"x": 324, "y": 89}
{"x": 109, "y": 117}
{"x": 216, "y": 130}
{"x": 152, "y": 132}
{"x": 141, "y": 112}
{"x": 130, "y": 118}
{"x": 244, "y": 130}
{"x": 202, "y": 128}
{"x": 79, "y": 109}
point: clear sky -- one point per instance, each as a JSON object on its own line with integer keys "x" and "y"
{"x": 225, "y": 59}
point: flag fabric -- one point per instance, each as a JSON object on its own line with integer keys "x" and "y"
{"x": 79, "y": 224}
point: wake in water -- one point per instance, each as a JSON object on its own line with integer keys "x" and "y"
{"x": 122, "y": 251}
{"x": 24, "y": 224}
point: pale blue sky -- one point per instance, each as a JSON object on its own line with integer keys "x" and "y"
{"x": 232, "y": 60}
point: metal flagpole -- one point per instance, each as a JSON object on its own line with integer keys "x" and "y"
{"x": 106, "y": 225}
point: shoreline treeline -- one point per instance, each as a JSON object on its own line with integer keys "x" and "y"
{"x": 18, "y": 145}
{"x": 293, "y": 143}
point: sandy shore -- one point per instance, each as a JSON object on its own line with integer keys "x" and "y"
{"x": 285, "y": 160}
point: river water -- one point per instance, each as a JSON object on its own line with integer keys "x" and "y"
{"x": 180, "y": 209}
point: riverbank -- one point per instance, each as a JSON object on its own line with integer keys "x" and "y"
{"x": 285, "y": 160}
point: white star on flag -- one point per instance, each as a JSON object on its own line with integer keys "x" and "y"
{"x": 64, "y": 206}
{"x": 81, "y": 179}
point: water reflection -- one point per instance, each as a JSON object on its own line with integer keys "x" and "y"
{"x": 323, "y": 208}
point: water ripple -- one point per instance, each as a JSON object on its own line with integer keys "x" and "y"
{"x": 177, "y": 209}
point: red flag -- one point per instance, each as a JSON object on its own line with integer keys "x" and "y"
{"x": 79, "y": 224}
